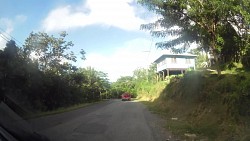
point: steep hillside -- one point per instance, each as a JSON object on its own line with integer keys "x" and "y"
{"x": 206, "y": 106}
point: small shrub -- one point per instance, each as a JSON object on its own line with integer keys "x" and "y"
{"x": 246, "y": 60}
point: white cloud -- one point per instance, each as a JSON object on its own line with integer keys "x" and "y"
{"x": 7, "y": 25}
{"x": 20, "y": 18}
{"x": 137, "y": 53}
{"x": 117, "y": 13}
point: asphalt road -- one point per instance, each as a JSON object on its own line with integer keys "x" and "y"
{"x": 113, "y": 120}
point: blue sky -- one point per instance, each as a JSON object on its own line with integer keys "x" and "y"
{"x": 108, "y": 30}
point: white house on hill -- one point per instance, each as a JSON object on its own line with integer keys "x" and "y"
{"x": 172, "y": 64}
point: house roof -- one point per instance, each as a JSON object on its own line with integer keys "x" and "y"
{"x": 174, "y": 55}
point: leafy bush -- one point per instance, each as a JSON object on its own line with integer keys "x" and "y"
{"x": 246, "y": 60}
{"x": 212, "y": 106}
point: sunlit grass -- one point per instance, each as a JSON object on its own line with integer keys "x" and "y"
{"x": 200, "y": 102}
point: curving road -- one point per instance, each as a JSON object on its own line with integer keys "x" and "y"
{"x": 113, "y": 120}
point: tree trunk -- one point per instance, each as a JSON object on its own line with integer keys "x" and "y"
{"x": 215, "y": 52}
{"x": 217, "y": 64}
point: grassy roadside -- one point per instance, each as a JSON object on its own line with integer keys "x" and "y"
{"x": 204, "y": 106}
{"x": 60, "y": 110}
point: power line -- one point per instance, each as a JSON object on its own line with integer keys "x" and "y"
{"x": 7, "y": 39}
{"x": 10, "y": 36}
{"x": 150, "y": 47}
{"x": 149, "y": 55}
{"x": 3, "y": 35}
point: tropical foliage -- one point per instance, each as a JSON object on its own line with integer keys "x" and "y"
{"x": 218, "y": 27}
{"x": 40, "y": 75}
{"x": 140, "y": 83}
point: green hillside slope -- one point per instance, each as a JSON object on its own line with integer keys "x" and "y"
{"x": 205, "y": 106}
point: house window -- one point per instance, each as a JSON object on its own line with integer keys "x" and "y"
{"x": 173, "y": 60}
{"x": 188, "y": 61}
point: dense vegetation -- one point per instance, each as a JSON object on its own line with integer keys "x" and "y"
{"x": 205, "y": 106}
{"x": 40, "y": 75}
{"x": 220, "y": 28}
{"x": 199, "y": 104}
{"x": 140, "y": 83}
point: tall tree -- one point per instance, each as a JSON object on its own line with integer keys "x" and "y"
{"x": 125, "y": 84}
{"x": 49, "y": 51}
{"x": 95, "y": 83}
{"x": 198, "y": 21}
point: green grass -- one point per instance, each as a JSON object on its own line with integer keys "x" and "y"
{"x": 212, "y": 107}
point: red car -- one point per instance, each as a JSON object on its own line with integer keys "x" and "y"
{"x": 126, "y": 97}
